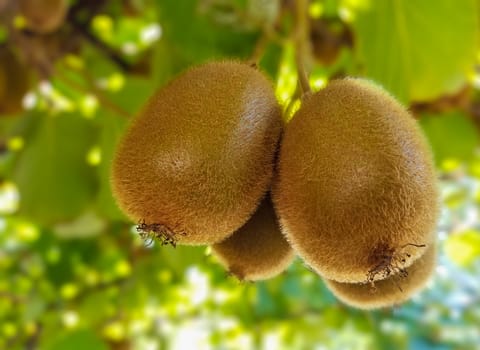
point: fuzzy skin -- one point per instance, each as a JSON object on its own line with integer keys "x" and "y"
{"x": 386, "y": 293}
{"x": 355, "y": 173}
{"x": 44, "y": 16}
{"x": 258, "y": 250}
{"x": 200, "y": 155}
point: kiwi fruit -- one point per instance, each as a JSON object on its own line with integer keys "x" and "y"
{"x": 258, "y": 250}
{"x": 14, "y": 82}
{"x": 391, "y": 291}
{"x": 43, "y": 16}
{"x": 198, "y": 159}
{"x": 356, "y": 183}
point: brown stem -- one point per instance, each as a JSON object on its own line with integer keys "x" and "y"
{"x": 302, "y": 44}
{"x": 269, "y": 34}
{"x": 259, "y": 48}
{"x": 103, "y": 47}
{"x": 81, "y": 27}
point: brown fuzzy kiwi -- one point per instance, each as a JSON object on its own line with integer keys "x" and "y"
{"x": 356, "y": 183}
{"x": 14, "y": 81}
{"x": 258, "y": 250}
{"x": 43, "y": 16}
{"x": 389, "y": 292}
{"x": 197, "y": 160}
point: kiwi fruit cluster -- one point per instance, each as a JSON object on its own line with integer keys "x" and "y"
{"x": 356, "y": 192}
{"x": 352, "y": 182}
{"x": 356, "y": 179}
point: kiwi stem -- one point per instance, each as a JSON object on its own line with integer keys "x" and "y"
{"x": 268, "y": 34}
{"x": 259, "y": 48}
{"x": 302, "y": 48}
{"x": 303, "y": 79}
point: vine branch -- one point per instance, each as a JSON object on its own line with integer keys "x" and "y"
{"x": 302, "y": 44}
{"x": 81, "y": 27}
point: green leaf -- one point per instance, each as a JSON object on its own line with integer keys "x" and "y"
{"x": 88, "y": 224}
{"x": 419, "y": 49}
{"x": 181, "y": 257}
{"x": 78, "y": 340}
{"x": 452, "y": 136}
{"x": 55, "y": 182}
{"x": 192, "y": 37}
{"x": 112, "y": 128}
{"x": 133, "y": 95}
{"x": 270, "y": 61}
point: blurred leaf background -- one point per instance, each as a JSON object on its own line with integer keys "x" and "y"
{"x": 73, "y": 272}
